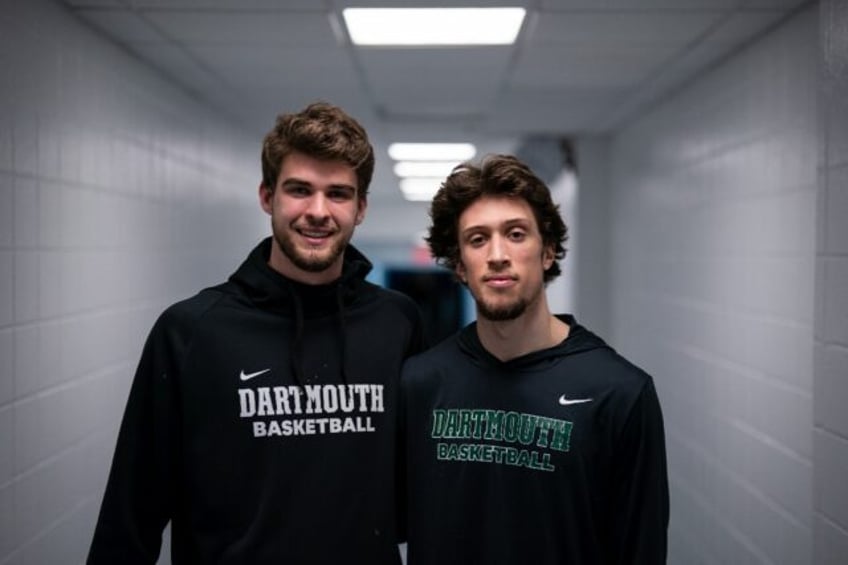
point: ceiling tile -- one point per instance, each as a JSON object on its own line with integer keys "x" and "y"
{"x": 428, "y": 82}
{"x": 427, "y": 65}
{"x": 177, "y": 64}
{"x": 95, "y": 3}
{"x": 639, "y": 5}
{"x": 228, "y": 5}
{"x": 278, "y": 28}
{"x": 743, "y": 26}
{"x": 587, "y": 67}
{"x": 259, "y": 111}
{"x": 434, "y": 101}
{"x": 782, "y": 5}
{"x": 251, "y": 67}
{"x": 429, "y": 3}
{"x": 122, "y": 25}
{"x": 523, "y": 109}
{"x": 620, "y": 28}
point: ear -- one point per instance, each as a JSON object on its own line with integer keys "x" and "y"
{"x": 360, "y": 212}
{"x": 461, "y": 273}
{"x": 266, "y": 198}
{"x": 548, "y": 257}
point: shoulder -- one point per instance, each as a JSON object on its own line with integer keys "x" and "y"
{"x": 628, "y": 380}
{"x": 381, "y": 298}
{"x": 619, "y": 368}
{"x": 433, "y": 360}
{"x": 630, "y": 387}
{"x": 183, "y": 316}
{"x": 175, "y": 329}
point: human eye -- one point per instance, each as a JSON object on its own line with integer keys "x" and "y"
{"x": 517, "y": 234}
{"x": 476, "y": 240}
{"x": 297, "y": 190}
{"x": 340, "y": 194}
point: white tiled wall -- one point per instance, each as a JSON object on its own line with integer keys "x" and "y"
{"x": 831, "y": 344}
{"x": 118, "y": 195}
{"x": 713, "y": 219}
{"x": 588, "y": 257}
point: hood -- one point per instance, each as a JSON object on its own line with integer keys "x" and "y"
{"x": 271, "y": 291}
{"x": 579, "y": 340}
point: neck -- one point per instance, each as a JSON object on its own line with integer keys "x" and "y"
{"x": 283, "y": 265}
{"x": 534, "y": 330}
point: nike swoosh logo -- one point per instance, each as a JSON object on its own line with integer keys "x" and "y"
{"x": 569, "y": 401}
{"x": 247, "y": 376}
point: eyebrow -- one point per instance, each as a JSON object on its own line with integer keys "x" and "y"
{"x": 299, "y": 181}
{"x": 521, "y": 222}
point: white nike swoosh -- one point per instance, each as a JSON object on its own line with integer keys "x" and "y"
{"x": 247, "y": 376}
{"x": 568, "y": 401}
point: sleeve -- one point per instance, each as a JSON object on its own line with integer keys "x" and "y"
{"x": 418, "y": 341}
{"x": 417, "y": 344}
{"x": 641, "y": 500}
{"x": 138, "y": 501}
{"x": 401, "y": 466}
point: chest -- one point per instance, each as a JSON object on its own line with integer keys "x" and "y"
{"x": 543, "y": 422}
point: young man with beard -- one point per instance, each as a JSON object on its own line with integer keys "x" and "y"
{"x": 529, "y": 440}
{"x": 261, "y": 421}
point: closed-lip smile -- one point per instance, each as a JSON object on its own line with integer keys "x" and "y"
{"x": 499, "y": 280}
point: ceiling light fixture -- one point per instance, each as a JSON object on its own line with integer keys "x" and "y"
{"x": 433, "y": 26}
{"x": 432, "y": 151}
{"x": 420, "y": 189}
{"x": 424, "y": 168}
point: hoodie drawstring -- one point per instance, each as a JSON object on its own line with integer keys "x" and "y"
{"x": 340, "y": 312}
{"x": 297, "y": 342}
{"x": 272, "y": 291}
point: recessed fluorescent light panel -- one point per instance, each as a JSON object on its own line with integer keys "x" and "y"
{"x": 424, "y": 168}
{"x": 432, "y": 151}
{"x": 420, "y": 189}
{"x": 433, "y": 26}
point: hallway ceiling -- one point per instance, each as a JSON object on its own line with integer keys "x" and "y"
{"x": 578, "y": 66}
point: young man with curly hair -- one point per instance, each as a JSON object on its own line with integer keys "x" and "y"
{"x": 529, "y": 439}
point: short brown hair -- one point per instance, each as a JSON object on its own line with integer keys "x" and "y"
{"x": 321, "y": 131}
{"x": 497, "y": 175}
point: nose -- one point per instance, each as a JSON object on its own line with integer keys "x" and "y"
{"x": 498, "y": 255}
{"x": 317, "y": 209}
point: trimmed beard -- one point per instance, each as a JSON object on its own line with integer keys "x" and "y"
{"x": 502, "y": 313}
{"x": 310, "y": 263}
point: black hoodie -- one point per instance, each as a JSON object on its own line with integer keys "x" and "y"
{"x": 261, "y": 423}
{"x": 555, "y": 457}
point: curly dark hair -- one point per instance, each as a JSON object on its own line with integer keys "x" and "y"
{"x": 497, "y": 175}
{"x": 322, "y": 131}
